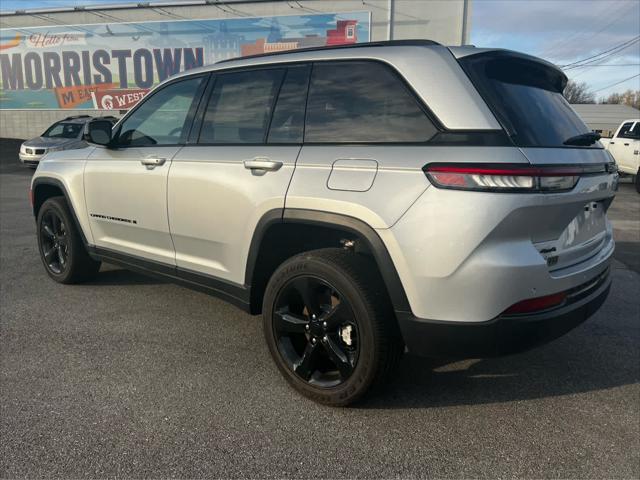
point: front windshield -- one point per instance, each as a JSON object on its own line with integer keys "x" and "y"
{"x": 63, "y": 130}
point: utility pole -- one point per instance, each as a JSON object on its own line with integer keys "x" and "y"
{"x": 391, "y": 20}
{"x": 466, "y": 21}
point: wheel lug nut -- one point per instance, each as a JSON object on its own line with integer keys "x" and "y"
{"x": 306, "y": 327}
{"x": 313, "y": 340}
{"x": 325, "y": 338}
{"x": 324, "y": 324}
{"x": 313, "y": 317}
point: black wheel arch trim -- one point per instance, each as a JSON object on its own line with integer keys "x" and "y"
{"x": 373, "y": 242}
{"x": 58, "y": 184}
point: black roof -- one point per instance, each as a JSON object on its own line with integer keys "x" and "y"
{"x": 385, "y": 43}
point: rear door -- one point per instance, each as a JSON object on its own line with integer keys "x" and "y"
{"x": 237, "y": 168}
{"x": 126, "y": 186}
{"x": 365, "y": 143}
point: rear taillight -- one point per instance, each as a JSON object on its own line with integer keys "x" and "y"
{"x": 507, "y": 178}
{"x": 536, "y": 304}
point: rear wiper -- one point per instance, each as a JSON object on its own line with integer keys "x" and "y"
{"x": 584, "y": 139}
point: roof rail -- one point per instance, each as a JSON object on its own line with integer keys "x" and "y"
{"x": 384, "y": 43}
{"x": 73, "y": 117}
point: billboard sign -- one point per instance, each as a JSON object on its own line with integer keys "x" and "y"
{"x": 112, "y": 66}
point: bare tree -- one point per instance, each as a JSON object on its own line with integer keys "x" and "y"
{"x": 578, "y": 93}
{"x": 630, "y": 97}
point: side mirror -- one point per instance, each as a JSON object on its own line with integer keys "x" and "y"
{"x": 98, "y": 132}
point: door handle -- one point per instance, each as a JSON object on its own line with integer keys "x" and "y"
{"x": 626, "y": 144}
{"x": 263, "y": 164}
{"x": 612, "y": 143}
{"x": 153, "y": 162}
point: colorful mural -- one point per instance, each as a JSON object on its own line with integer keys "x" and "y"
{"x": 112, "y": 66}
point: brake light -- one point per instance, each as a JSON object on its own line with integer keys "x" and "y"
{"x": 508, "y": 178}
{"x": 536, "y": 304}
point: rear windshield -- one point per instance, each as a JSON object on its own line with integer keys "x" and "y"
{"x": 526, "y": 96}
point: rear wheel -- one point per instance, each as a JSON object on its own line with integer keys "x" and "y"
{"x": 62, "y": 251}
{"x": 330, "y": 327}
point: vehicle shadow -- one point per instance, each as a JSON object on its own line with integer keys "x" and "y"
{"x": 590, "y": 358}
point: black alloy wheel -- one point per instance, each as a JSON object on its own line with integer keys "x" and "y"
{"x": 62, "y": 250}
{"x": 316, "y": 331}
{"x": 330, "y": 326}
{"x": 55, "y": 242}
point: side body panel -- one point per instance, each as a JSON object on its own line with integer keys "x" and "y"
{"x": 126, "y": 202}
{"x": 215, "y": 204}
{"x": 399, "y": 179}
{"x": 66, "y": 168}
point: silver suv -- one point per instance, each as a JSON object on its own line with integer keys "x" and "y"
{"x": 367, "y": 200}
{"x": 66, "y": 134}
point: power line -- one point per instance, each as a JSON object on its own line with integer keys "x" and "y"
{"x": 611, "y": 54}
{"x": 617, "y": 83}
{"x": 576, "y": 35}
{"x": 620, "y": 46}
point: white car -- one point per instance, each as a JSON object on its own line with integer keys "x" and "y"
{"x": 625, "y": 148}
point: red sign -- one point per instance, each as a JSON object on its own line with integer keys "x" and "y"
{"x": 118, "y": 99}
{"x": 71, "y": 97}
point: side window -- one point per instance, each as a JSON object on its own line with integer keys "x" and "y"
{"x": 287, "y": 124}
{"x": 161, "y": 119}
{"x": 624, "y": 130}
{"x": 362, "y": 102}
{"x": 632, "y": 131}
{"x": 240, "y": 107}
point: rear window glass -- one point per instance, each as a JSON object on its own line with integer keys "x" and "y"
{"x": 362, "y": 102}
{"x": 526, "y": 96}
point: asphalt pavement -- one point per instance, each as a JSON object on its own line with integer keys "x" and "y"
{"x": 132, "y": 377}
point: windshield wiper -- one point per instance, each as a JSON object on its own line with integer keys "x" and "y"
{"x": 583, "y": 140}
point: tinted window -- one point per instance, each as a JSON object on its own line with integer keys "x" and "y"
{"x": 287, "y": 124}
{"x": 362, "y": 102}
{"x": 240, "y": 107}
{"x": 526, "y": 96}
{"x": 162, "y": 118}
{"x": 630, "y": 130}
{"x": 64, "y": 130}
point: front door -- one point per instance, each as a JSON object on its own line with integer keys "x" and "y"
{"x": 126, "y": 184}
{"x": 238, "y": 169}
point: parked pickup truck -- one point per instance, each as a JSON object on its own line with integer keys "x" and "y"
{"x": 625, "y": 148}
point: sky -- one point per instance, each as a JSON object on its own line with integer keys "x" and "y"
{"x": 561, "y": 31}
{"x": 565, "y": 31}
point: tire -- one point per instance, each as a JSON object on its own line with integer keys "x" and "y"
{"x": 58, "y": 239}
{"x": 362, "y": 333}
{"x": 637, "y": 181}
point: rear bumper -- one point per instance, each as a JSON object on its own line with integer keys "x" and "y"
{"x": 505, "y": 334}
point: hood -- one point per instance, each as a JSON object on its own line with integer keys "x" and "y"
{"x": 43, "y": 142}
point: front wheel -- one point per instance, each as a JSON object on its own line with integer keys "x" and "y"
{"x": 638, "y": 181}
{"x": 330, "y": 327}
{"x": 62, "y": 251}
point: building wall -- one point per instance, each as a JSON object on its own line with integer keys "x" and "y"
{"x": 440, "y": 20}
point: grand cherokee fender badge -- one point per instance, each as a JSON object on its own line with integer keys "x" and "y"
{"x": 114, "y": 219}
